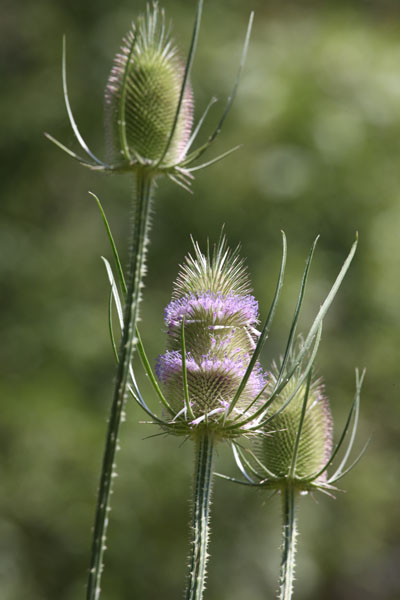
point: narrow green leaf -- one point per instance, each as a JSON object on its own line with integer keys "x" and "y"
{"x": 151, "y": 376}
{"x": 240, "y": 481}
{"x": 299, "y": 430}
{"x": 341, "y": 439}
{"x": 112, "y": 244}
{"x": 198, "y": 126}
{"x": 184, "y": 372}
{"x": 359, "y": 382}
{"x": 214, "y": 160}
{"x": 296, "y": 315}
{"x": 238, "y": 459}
{"x": 68, "y": 150}
{"x": 265, "y": 329}
{"x": 110, "y": 326}
{"x": 329, "y": 299}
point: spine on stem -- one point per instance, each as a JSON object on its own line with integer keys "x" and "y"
{"x": 136, "y": 271}
{"x": 288, "y": 542}
{"x": 201, "y": 514}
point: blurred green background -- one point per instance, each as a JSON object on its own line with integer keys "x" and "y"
{"x": 318, "y": 113}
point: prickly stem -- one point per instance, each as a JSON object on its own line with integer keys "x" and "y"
{"x": 136, "y": 270}
{"x": 289, "y": 541}
{"x": 200, "y": 518}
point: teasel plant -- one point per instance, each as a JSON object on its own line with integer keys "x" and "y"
{"x": 149, "y": 133}
{"x": 294, "y": 449}
{"x": 209, "y": 381}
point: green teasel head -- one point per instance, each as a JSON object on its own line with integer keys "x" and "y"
{"x": 299, "y": 409}
{"x": 142, "y": 96}
{"x": 149, "y": 105}
{"x": 295, "y": 447}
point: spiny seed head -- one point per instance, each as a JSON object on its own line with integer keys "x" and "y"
{"x": 276, "y": 449}
{"x": 142, "y": 96}
{"x": 212, "y": 304}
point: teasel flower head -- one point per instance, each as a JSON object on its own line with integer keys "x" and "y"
{"x": 212, "y": 332}
{"x": 149, "y": 105}
{"x": 210, "y": 375}
{"x": 295, "y": 448}
{"x": 142, "y": 94}
{"x": 277, "y": 447}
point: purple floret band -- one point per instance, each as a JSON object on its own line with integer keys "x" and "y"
{"x": 170, "y": 364}
{"x": 218, "y": 306}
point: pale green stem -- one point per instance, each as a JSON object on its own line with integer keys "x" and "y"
{"x": 140, "y": 226}
{"x": 289, "y": 541}
{"x": 200, "y": 519}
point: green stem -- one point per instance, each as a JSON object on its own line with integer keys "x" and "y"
{"x": 140, "y": 226}
{"x": 200, "y": 519}
{"x": 289, "y": 541}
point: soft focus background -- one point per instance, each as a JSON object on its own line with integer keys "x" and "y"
{"x": 318, "y": 113}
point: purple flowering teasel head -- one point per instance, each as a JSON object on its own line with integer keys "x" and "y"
{"x": 213, "y": 322}
{"x": 211, "y": 327}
